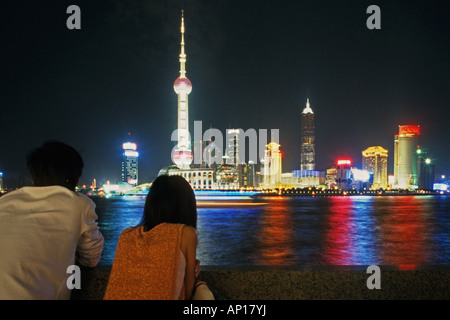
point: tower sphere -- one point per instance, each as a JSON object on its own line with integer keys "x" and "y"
{"x": 182, "y": 86}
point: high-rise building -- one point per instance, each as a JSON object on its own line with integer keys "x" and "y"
{"x": 199, "y": 156}
{"x": 233, "y": 156}
{"x": 344, "y": 174}
{"x": 331, "y": 177}
{"x": 374, "y": 160}
{"x": 232, "y": 149}
{"x": 1, "y": 181}
{"x": 250, "y": 175}
{"x": 227, "y": 176}
{"x": 425, "y": 170}
{"x": 130, "y": 163}
{"x": 405, "y": 157}
{"x": 182, "y": 154}
{"x": 272, "y": 166}
{"x": 307, "y": 157}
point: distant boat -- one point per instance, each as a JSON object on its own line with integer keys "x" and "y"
{"x": 218, "y": 198}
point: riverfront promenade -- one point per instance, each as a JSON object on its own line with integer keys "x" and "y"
{"x": 304, "y": 283}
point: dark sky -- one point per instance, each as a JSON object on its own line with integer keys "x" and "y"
{"x": 252, "y": 64}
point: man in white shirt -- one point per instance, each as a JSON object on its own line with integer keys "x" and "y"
{"x": 44, "y": 227}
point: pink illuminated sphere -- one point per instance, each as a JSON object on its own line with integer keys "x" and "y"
{"x": 182, "y": 85}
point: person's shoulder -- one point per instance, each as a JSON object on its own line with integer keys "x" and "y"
{"x": 130, "y": 230}
{"x": 27, "y": 193}
{"x": 81, "y": 198}
{"x": 11, "y": 195}
{"x": 130, "y": 234}
{"x": 188, "y": 233}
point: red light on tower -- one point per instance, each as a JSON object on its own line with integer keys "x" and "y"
{"x": 344, "y": 162}
{"x": 409, "y": 129}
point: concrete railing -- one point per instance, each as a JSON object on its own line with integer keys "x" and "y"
{"x": 298, "y": 283}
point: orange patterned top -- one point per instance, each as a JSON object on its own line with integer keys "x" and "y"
{"x": 148, "y": 265}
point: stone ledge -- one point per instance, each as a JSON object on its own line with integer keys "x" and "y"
{"x": 300, "y": 283}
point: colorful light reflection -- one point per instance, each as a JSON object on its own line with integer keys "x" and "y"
{"x": 276, "y": 234}
{"x": 404, "y": 234}
{"x": 351, "y": 234}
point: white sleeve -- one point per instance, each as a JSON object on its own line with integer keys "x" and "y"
{"x": 90, "y": 243}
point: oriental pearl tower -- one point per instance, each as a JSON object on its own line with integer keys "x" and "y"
{"x": 182, "y": 153}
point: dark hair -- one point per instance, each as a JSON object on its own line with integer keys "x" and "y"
{"x": 172, "y": 200}
{"x": 55, "y": 163}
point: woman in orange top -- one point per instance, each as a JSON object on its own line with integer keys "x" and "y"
{"x": 156, "y": 260}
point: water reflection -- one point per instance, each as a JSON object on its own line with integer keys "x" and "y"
{"x": 227, "y": 235}
{"x": 440, "y": 234}
{"x": 276, "y": 234}
{"x": 116, "y": 215}
{"x": 349, "y": 234}
{"x": 405, "y": 231}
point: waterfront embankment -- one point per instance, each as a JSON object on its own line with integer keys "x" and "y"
{"x": 405, "y": 282}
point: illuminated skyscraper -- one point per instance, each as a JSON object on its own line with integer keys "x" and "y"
{"x": 233, "y": 156}
{"x": 344, "y": 174}
{"x": 374, "y": 160}
{"x": 232, "y": 148}
{"x": 405, "y": 157}
{"x": 182, "y": 154}
{"x": 307, "y": 158}
{"x": 130, "y": 163}
{"x": 425, "y": 170}
{"x": 272, "y": 166}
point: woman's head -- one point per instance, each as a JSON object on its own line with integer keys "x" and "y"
{"x": 172, "y": 200}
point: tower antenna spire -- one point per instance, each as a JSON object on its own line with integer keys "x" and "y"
{"x": 307, "y": 109}
{"x": 182, "y": 155}
{"x": 182, "y": 53}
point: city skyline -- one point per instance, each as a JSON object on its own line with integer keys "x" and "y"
{"x": 252, "y": 65}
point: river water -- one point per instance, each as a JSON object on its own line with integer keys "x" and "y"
{"x": 404, "y": 231}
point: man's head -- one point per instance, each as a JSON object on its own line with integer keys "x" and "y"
{"x": 55, "y": 163}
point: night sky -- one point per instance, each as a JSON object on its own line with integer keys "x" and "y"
{"x": 252, "y": 64}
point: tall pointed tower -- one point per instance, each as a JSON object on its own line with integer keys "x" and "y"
{"x": 307, "y": 158}
{"x": 182, "y": 152}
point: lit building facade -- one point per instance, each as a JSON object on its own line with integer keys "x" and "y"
{"x": 244, "y": 174}
{"x": 232, "y": 148}
{"x": 182, "y": 154}
{"x": 307, "y": 157}
{"x": 199, "y": 178}
{"x": 344, "y": 174}
{"x": 227, "y": 177}
{"x": 130, "y": 163}
{"x": 425, "y": 170}
{"x": 405, "y": 157}
{"x": 330, "y": 177}
{"x": 249, "y": 179}
{"x": 309, "y": 178}
{"x": 374, "y": 160}
{"x": 272, "y": 166}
